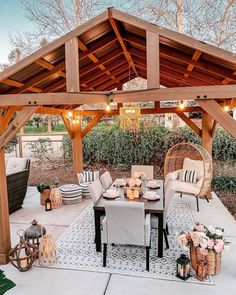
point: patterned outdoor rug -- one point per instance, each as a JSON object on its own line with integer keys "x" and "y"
{"x": 76, "y": 248}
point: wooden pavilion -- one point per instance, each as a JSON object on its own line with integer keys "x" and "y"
{"x": 85, "y": 65}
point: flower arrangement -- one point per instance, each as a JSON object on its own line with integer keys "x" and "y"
{"x": 205, "y": 238}
{"x": 133, "y": 182}
{"x": 139, "y": 175}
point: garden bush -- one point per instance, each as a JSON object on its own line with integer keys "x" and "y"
{"x": 224, "y": 183}
{"x": 108, "y": 144}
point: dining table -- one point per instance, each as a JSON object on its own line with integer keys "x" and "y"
{"x": 153, "y": 207}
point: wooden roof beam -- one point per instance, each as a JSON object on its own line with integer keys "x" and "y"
{"x": 115, "y": 28}
{"x": 39, "y": 78}
{"x": 190, "y": 67}
{"x": 91, "y": 124}
{"x": 17, "y": 84}
{"x": 103, "y": 60}
{"x": 207, "y": 67}
{"x": 47, "y": 65}
{"x": 94, "y": 59}
{"x": 189, "y": 122}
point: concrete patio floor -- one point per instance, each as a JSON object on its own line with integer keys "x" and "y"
{"x": 62, "y": 282}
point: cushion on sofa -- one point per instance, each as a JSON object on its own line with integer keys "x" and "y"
{"x": 196, "y": 165}
{"x": 14, "y": 165}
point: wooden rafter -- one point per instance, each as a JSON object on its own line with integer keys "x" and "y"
{"x": 121, "y": 41}
{"x": 39, "y": 78}
{"x": 217, "y": 113}
{"x": 190, "y": 67}
{"x": 205, "y": 66}
{"x": 17, "y": 84}
{"x": 94, "y": 59}
{"x": 20, "y": 119}
{"x": 189, "y": 122}
{"x": 7, "y": 116}
{"x": 91, "y": 124}
{"x": 47, "y": 65}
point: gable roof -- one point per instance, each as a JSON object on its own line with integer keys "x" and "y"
{"x": 106, "y": 43}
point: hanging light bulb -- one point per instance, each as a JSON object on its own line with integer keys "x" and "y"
{"x": 108, "y": 107}
{"x": 181, "y": 104}
{"x": 226, "y": 107}
{"x": 73, "y": 121}
{"x": 70, "y": 114}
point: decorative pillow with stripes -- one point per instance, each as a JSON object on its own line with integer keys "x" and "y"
{"x": 88, "y": 176}
{"x": 188, "y": 176}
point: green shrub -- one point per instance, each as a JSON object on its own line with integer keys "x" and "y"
{"x": 224, "y": 183}
{"x": 108, "y": 144}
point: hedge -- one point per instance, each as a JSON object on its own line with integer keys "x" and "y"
{"x": 109, "y": 144}
{"x": 224, "y": 183}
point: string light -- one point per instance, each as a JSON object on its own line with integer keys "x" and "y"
{"x": 73, "y": 118}
{"x": 226, "y": 108}
{"x": 181, "y": 104}
{"x": 108, "y": 107}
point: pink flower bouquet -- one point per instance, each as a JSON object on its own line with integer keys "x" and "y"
{"x": 206, "y": 238}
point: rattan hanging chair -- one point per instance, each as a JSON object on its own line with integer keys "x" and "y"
{"x": 175, "y": 158}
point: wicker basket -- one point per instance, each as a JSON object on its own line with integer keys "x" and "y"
{"x": 213, "y": 260}
{"x": 44, "y": 196}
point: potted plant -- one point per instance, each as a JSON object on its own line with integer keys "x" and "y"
{"x": 206, "y": 244}
{"x": 44, "y": 190}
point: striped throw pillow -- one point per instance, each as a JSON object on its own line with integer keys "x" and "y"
{"x": 188, "y": 176}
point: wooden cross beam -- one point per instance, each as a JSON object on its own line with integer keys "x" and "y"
{"x": 217, "y": 112}
{"x": 189, "y": 122}
{"x": 115, "y": 28}
{"x": 17, "y": 84}
{"x": 91, "y": 124}
{"x": 11, "y": 130}
{"x": 190, "y": 67}
{"x": 7, "y": 116}
{"x": 67, "y": 125}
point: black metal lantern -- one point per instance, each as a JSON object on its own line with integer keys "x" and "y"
{"x": 24, "y": 254}
{"x": 34, "y": 233}
{"x": 48, "y": 205}
{"x": 183, "y": 267}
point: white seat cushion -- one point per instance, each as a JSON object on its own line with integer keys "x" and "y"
{"x": 14, "y": 165}
{"x": 186, "y": 187}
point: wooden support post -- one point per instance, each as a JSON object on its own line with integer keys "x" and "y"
{"x": 153, "y": 61}
{"x": 91, "y": 124}
{"x": 77, "y": 147}
{"x": 189, "y": 122}
{"x": 5, "y": 239}
{"x": 72, "y": 66}
{"x": 207, "y": 124}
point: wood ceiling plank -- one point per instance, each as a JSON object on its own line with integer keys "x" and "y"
{"x": 94, "y": 59}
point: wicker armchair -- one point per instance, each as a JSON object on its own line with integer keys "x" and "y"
{"x": 182, "y": 156}
{"x": 17, "y": 170}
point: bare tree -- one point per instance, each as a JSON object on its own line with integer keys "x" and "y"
{"x": 210, "y": 21}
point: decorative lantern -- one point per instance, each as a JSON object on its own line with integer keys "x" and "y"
{"x": 56, "y": 198}
{"x": 183, "y": 267}
{"x": 47, "y": 251}
{"x": 130, "y": 118}
{"x": 24, "y": 254}
{"x": 48, "y": 205}
{"x": 34, "y": 233}
{"x": 201, "y": 272}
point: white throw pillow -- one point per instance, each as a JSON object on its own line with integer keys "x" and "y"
{"x": 188, "y": 176}
{"x": 196, "y": 165}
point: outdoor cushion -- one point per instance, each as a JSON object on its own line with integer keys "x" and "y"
{"x": 188, "y": 176}
{"x": 196, "y": 165}
{"x": 87, "y": 176}
{"x": 185, "y": 187}
{"x": 14, "y": 165}
{"x": 71, "y": 193}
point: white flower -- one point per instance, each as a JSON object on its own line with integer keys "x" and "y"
{"x": 211, "y": 229}
{"x": 218, "y": 232}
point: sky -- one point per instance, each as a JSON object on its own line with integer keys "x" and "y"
{"x": 12, "y": 19}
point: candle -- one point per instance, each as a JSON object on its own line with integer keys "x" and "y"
{"x": 23, "y": 262}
